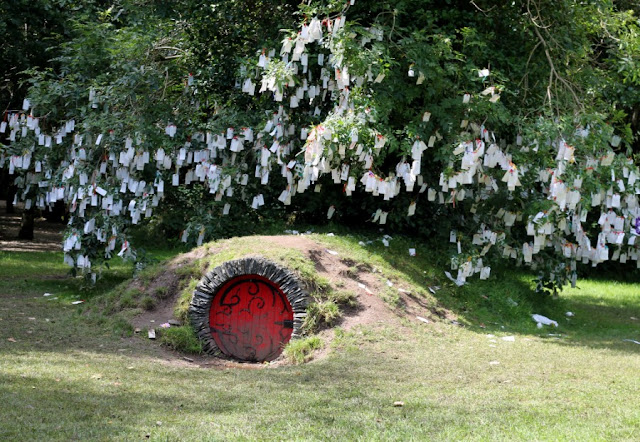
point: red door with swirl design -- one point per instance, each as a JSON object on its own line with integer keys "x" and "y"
{"x": 251, "y": 318}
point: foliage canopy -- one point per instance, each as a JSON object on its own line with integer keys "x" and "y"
{"x": 510, "y": 126}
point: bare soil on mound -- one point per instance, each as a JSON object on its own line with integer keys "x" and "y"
{"x": 367, "y": 283}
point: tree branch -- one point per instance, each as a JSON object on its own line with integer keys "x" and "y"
{"x": 553, "y": 73}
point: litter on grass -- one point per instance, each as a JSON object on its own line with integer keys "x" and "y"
{"x": 457, "y": 282}
{"x": 365, "y": 288}
{"x": 331, "y": 252}
{"x": 543, "y": 320}
{"x": 631, "y": 340}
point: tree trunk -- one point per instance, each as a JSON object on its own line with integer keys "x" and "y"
{"x": 26, "y": 227}
{"x": 57, "y": 213}
{"x": 11, "y": 192}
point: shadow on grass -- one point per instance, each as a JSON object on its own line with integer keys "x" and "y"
{"x": 102, "y": 401}
{"x": 601, "y": 321}
{"x": 52, "y": 323}
{"x": 89, "y": 408}
{"x": 505, "y": 302}
{"x": 94, "y": 398}
{"x": 585, "y": 317}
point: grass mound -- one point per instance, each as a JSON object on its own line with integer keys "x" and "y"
{"x": 353, "y": 281}
{"x": 349, "y": 286}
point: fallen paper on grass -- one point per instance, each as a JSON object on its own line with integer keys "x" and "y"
{"x": 543, "y": 320}
{"x": 420, "y": 318}
{"x": 457, "y": 282}
{"x": 77, "y": 302}
{"x": 48, "y": 294}
{"x": 152, "y": 333}
{"x": 365, "y": 288}
{"x": 331, "y": 252}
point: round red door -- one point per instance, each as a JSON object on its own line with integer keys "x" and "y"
{"x": 251, "y": 318}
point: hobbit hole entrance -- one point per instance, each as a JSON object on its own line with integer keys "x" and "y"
{"x": 248, "y": 310}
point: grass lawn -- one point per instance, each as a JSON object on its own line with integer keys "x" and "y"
{"x": 64, "y": 376}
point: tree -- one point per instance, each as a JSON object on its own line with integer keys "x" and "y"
{"x": 513, "y": 116}
{"x": 33, "y": 31}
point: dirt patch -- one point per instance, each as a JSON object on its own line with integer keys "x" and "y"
{"x": 369, "y": 286}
